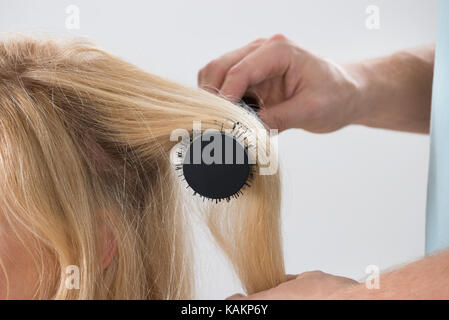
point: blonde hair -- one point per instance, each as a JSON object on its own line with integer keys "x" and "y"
{"x": 85, "y": 141}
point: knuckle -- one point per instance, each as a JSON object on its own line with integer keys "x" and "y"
{"x": 313, "y": 273}
{"x": 213, "y": 66}
{"x": 283, "y": 49}
{"x": 317, "y": 272}
{"x": 234, "y": 71}
{"x": 278, "y": 37}
{"x": 258, "y": 41}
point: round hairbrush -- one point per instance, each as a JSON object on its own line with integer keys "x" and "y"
{"x": 216, "y": 164}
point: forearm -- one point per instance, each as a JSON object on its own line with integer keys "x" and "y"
{"x": 424, "y": 279}
{"x": 395, "y": 91}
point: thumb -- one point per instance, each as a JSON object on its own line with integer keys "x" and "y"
{"x": 282, "y": 116}
{"x": 289, "y": 277}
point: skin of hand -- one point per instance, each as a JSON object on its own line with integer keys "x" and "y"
{"x": 297, "y": 88}
{"x": 426, "y": 278}
{"x": 310, "y": 285}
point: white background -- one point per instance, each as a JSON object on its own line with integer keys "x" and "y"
{"x": 351, "y": 198}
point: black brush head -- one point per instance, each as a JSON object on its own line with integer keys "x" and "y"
{"x": 216, "y": 165}
{"x": 251, "y": 102}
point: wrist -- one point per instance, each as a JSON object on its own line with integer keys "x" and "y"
{"x": 360, "y": 103}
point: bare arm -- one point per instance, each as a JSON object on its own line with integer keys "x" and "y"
{"x": 424, "y": 279}
{"x": 395, "y": 91}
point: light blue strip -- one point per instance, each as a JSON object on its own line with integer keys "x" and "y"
{"x": 437, "y": 221}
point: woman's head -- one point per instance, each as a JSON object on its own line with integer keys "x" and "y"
{"x": 86, "y": 180}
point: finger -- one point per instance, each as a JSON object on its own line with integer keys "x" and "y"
{"x": 289, "y": 277}
{"x": 212, "y": 75}
{"x": 313, "y": 273}
{"x": 282, "y": 116}
{"x": 262, "y": 295}
{"x": 237, "y": 296}
{"x": 270, "y": 294}
{"x": 263, "y": 63}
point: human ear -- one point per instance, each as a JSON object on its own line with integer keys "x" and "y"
{"x": 107, "y": 242}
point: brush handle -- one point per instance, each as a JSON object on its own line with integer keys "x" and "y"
{"x": 251, "y": 102}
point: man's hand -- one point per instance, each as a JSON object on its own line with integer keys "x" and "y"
{"x": 427, "y": 278}
{"x": 297, "y": 88}
{"x": 307, "y": 285}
